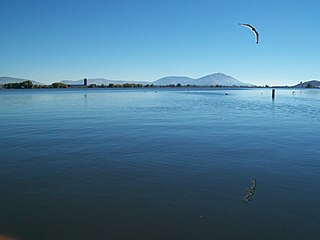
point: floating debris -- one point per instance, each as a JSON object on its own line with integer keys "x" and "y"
{"x": 249, "y": 191}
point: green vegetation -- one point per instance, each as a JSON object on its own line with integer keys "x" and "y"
{"x": 41, "y": 86}
{"x": 28, "y": 84}
{"x": 59, "y": 85}
{"x": 25, "y": 84}
{"x": 125, "y": 85}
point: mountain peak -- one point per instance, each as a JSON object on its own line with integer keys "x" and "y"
{"x": 308, "y": 84}
{"x": 214, "y": 79}
{"x": 208, "y": 80}
{"x": 217, "y": 74}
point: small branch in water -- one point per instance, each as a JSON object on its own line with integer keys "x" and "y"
{"x": 249, "y": 192}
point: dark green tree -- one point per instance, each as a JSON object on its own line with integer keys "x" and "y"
{"x": 26, "y": 84}
{"x": 59, "y": 85}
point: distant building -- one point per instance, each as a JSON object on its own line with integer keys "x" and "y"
{"x": 76, "y": 85}
{"x": 79, "y": 85}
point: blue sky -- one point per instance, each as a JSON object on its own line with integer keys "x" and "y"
{"x": 144, "y": 40}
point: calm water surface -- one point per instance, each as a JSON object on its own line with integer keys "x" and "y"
{"x": 171, "y": 164}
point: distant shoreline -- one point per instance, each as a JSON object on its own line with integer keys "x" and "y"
{"x": 58, "y": 85}
{"x": 156, "y": 88}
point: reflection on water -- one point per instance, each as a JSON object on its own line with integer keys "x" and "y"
{"x": 85, "y": 98}
{"x": 171, "y": 164}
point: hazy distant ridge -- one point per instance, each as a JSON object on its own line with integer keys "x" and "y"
{"x": 311, "y": 84}
{"x": 4, "y": 80}
{"x": 209, "y": 80}
{"x": 100, "y": 81}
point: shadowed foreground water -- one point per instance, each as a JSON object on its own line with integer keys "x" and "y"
{"x": 171, "y": 164}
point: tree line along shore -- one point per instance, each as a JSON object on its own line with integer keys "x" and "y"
{"x": 28, "y": 85}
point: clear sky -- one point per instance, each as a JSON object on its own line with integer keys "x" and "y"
{"x": 55, "y": 40}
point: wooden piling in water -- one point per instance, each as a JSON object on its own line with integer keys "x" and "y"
{"x": 273, "y": 93}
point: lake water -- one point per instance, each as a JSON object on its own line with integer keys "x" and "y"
{"x": 164, "y": 164}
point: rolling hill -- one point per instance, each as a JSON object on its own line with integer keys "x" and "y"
{"x": 209, "y": 80}
{"x": 308, "y": 84}
{"x": 4, "y": 80}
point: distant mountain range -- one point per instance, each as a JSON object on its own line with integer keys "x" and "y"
{"x": 100, "y": 81}
{"x": 209, "y": 80}
{"x": 308, "y": 84}
{"x": 4, "y": 80}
